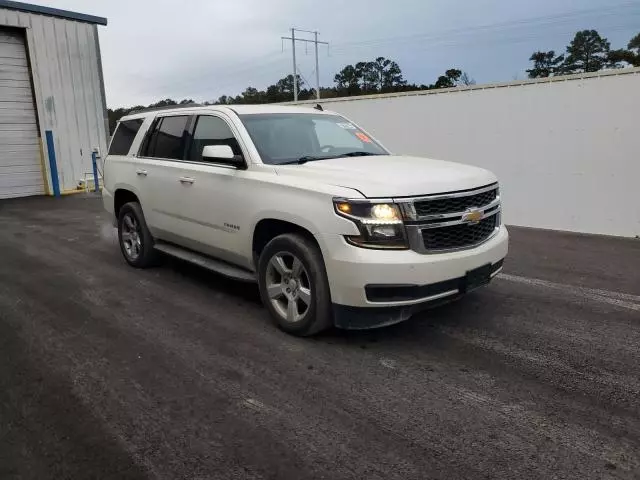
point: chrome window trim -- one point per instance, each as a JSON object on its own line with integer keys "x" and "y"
{"x": 439, "y": 196}
{"x": 192, "y": 162}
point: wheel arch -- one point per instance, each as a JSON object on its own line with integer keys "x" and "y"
{"x": 268, "y": 228}
{"x": 122, "y": 195}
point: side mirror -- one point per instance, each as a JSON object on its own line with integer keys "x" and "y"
{"x": 223, "y": 154}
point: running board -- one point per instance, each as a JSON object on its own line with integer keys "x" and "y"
{"x": 209, "y": 263}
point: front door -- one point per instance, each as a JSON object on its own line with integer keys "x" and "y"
{"x": 211, "y": 192}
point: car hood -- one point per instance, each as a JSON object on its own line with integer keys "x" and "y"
{"x": 391, "y": 175}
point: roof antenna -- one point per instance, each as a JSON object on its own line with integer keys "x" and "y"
{"x": 319, "y": 107}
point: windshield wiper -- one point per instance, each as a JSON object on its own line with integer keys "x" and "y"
{"x": 357, "y": 153}
{"x": 312, "y": 158}
{"x": 305, "y": 159}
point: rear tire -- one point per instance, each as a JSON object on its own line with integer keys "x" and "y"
{"x": 293, "y": 285}
{"x": 136, "y": 242}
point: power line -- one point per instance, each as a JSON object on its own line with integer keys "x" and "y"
{"x": 303, "y": 77}
{"x": 616, "y": 11}
{"x": 489, "y": 34}
{"x": 505, "y": 38}
{"x": 293, "y": 48}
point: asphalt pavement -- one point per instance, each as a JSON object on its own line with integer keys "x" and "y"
{"x": 176, "y": 373}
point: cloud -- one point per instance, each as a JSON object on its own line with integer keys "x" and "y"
{"x": 201, "y": 49}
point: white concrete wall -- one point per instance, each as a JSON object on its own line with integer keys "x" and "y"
{"x": 67, "y": 79}
{"x": 567, "y": 152}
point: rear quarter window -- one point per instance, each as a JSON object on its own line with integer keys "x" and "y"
{"x": 124, "y": 136}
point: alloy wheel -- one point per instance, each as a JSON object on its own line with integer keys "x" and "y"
{"x": 131, "y": 236}
{"x": 288, "y": 286}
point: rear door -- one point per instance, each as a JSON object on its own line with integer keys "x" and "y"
{"x": 159, "y": 169}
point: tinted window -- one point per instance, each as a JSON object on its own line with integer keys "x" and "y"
{"x": 211, "y": 131}
{"x": 124, "y": 136}
{"x": 168, "y": 139}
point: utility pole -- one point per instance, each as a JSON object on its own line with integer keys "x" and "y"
{"x": 317, "y": 68}
{"x": 295, "y": 67}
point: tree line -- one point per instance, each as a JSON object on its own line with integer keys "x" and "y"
{"x": 363, "y": 78}
{"x": 587, "y": 52}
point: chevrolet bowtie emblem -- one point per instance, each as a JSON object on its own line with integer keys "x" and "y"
{"x": 472, "y": 215}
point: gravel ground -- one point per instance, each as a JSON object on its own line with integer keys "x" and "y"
{"x": 174, "y": 372}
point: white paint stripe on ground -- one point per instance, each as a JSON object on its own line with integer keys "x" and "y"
{"x": 624, "y": 300}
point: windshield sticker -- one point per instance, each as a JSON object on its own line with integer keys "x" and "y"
{"x": 346, "y": 126}
{"x": 363, "y": 137}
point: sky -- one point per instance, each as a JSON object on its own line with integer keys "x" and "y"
{"x": 201, "y": 49}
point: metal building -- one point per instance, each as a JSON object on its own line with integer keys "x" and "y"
{"x": 53, "y": 110}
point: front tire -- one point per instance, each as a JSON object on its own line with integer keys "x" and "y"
{"x": 293, "y": 285}
{"x": 136, "y": 242}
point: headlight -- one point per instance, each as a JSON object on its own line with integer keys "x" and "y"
{"x": 380, "y": 224}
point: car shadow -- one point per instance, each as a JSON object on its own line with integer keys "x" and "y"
{"x": 209, "y": 279}
{"x": 424, "y": 328}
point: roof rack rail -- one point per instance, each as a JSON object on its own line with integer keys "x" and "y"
{"x": 166, "y": 107}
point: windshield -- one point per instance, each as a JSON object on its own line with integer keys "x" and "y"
{"x": 283, "y": 138}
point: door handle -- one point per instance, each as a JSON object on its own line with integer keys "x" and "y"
{"x": 188, "y": 180}
{"x": 141, "y": 172}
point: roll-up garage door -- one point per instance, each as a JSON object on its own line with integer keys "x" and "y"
{"x": 20, "y": 166}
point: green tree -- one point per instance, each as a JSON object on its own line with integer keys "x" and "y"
{"x": 634, "y": 44}
{"x": 367, "y": 76}
{"x": 380, "y": 75}
{"x": 545, "y": 64}
{"x": 587, "y": 52}
{"x": 387, "y": 74}
{"x": 634, "y": 48}
{"x": 118, "y": 113}
{"x": 631, "y": 55}
{"x": 222, "y": 100}
{"x": 449, "y": 79}
{"x": 252, "y": 96}
{"x": 347, "y": 81}
{"x": 285, "y": 86}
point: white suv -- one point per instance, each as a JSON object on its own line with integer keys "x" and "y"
{"x": 334, "y": 228}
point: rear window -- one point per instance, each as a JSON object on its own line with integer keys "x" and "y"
{"x": 168, "y": 138}
{"x": 124, "y": 136}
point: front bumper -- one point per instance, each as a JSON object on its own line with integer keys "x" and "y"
{"x": 354, "y": 273}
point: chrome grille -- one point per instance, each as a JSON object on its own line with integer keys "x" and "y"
{"x": 453, "y": 221}
{"x": 458, "y": 236}
{"x": 455, "y": 204}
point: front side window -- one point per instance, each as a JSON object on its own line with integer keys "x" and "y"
{"x": 124, "y": 136}
{"x": 211, "y": 131}
{"x": 169, "y": 138}
{"x": 299, "y": 137}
